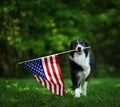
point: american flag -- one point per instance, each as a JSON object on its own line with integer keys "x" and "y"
{"x": 47, "y": 71}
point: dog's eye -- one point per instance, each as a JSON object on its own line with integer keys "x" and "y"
{"x": 75, "y": 43}
{"x": 81, "y": 42}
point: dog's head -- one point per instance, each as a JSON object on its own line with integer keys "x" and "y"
{"x": 79, "y": 47}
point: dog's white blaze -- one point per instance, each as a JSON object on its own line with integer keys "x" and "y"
{"x": 79, "y": 46}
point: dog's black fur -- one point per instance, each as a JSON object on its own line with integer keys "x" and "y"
{"x": 77, "y": 68}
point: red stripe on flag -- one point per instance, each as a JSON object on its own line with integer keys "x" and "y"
{"x": 37, "y": 77}
{"x": 54, "y": 73}
{"x": 45, "y": 84}
{"x": 54, "y": 81}
{"x": 48, "y": 72}
{"x": 52, "y": 86}
{"x": 59, "y": 70}
{"x": 47, "y": 68}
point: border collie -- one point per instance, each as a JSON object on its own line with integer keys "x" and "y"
{"x": 81, "y": 64}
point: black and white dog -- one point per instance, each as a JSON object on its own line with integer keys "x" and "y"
{"x": 81, "y": 64}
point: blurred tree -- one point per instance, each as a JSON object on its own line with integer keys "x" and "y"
{"x": 35, "y": 28}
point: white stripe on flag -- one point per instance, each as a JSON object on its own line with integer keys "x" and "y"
{"x": 58, "y": 76}
{"x": 57, "y": 72}
{"x": 36, "y": 78}
{"x": 45, "y": 69}
{"x": 42, "y": 82}
{"x": 48, "y": 85}
{"x": 57, "y": 89}
{"x": 54, "y": 81}
{"x": 51, "y": 70}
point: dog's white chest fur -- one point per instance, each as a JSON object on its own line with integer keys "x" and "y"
{"x": 82, "y": 60}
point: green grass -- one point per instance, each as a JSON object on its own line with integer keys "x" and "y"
{"x": 28, "y": 93}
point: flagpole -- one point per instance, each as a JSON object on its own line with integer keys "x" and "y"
{"x": 71, "y": 51}
{"x": 60, "y": 53}
{"x": 47, "y": 56}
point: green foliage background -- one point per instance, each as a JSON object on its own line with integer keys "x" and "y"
{"x": 34, "y": 28}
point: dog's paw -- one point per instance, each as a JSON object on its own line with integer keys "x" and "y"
{"x": 77, "y": 93}
{"x": 84, "y": 92}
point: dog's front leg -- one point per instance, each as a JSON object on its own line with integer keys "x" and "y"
{"x": 86, "y": 77}
{"x": 78, "y": 91}
{"x": 84, "y": 88}
{"x": 76, "y": 79}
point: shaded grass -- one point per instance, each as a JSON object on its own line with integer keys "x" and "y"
{"x": 28, "y": 93}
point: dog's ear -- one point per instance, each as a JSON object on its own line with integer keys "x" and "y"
{"x": 86, "y": 50}
{"x": 86, "y": 44}
{"x": 73, "y": 44}
{"x": 72, "y": 47}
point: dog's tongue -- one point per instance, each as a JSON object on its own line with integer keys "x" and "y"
{"x": 79, "y": 52}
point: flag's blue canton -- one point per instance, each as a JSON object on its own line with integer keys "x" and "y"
{"x": 36, "y": 67}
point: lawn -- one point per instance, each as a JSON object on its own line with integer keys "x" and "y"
{"x": 28, "y": 93}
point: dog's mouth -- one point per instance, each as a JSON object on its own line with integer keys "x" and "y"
{"x": 79, "y": 52}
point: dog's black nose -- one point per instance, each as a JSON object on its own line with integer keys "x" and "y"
{"x": 79, "y": 48}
